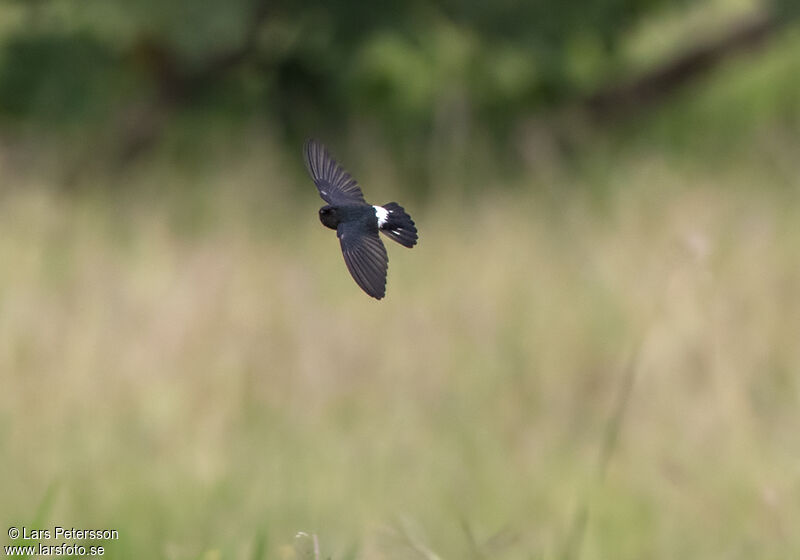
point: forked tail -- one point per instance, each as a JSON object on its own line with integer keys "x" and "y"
{"x": 399, "y": 225}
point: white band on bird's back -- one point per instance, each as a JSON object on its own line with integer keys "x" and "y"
{"x": 382, "y": 214}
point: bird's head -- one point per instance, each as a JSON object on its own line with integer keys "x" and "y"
{"x": 329, "y": 216}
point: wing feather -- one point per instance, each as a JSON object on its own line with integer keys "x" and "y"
{"x": 365, "y": 257}
{"x": 335, "y": 184}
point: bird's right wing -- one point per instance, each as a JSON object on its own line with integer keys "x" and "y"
{"x": 365, "y": 257}
{"x": 335, "y": 185}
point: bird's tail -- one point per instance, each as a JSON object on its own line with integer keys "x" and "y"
{"x": 399, "y": 226}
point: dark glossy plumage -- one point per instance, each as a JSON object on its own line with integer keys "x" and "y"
{"x": 335, "y": 185}
{"x": 357, "y": 223}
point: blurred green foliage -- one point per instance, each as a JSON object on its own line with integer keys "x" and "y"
{"x": 442, "y": 81}
{"x": 308, "y": 62}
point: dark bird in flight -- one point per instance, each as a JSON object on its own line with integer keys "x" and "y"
{"x": 356, "y": 222}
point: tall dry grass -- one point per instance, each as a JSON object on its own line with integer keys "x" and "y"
{"x": 203, "y": 375}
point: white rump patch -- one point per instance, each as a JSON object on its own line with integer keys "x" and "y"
{"x": 382, "y": 215}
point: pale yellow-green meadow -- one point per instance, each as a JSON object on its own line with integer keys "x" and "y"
{"x": 206, "y": 378}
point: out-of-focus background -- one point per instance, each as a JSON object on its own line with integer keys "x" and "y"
{"x": 592, "y": 353}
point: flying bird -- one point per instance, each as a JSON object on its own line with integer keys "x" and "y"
{"x": 356, "y": 222}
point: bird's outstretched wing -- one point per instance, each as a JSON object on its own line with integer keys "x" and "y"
{"x": 335, "y": 185}
{"x": 365, "y": 257}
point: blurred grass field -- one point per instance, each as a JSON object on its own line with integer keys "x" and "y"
{"x": 185, "y": 359}
{"x": 201, "y": 373}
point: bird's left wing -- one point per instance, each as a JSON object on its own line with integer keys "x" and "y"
{"x": 335, "y": 185}
{"x": 365, "y": 257}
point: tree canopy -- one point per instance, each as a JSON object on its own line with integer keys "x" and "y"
{"x": 307, "y": 64}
